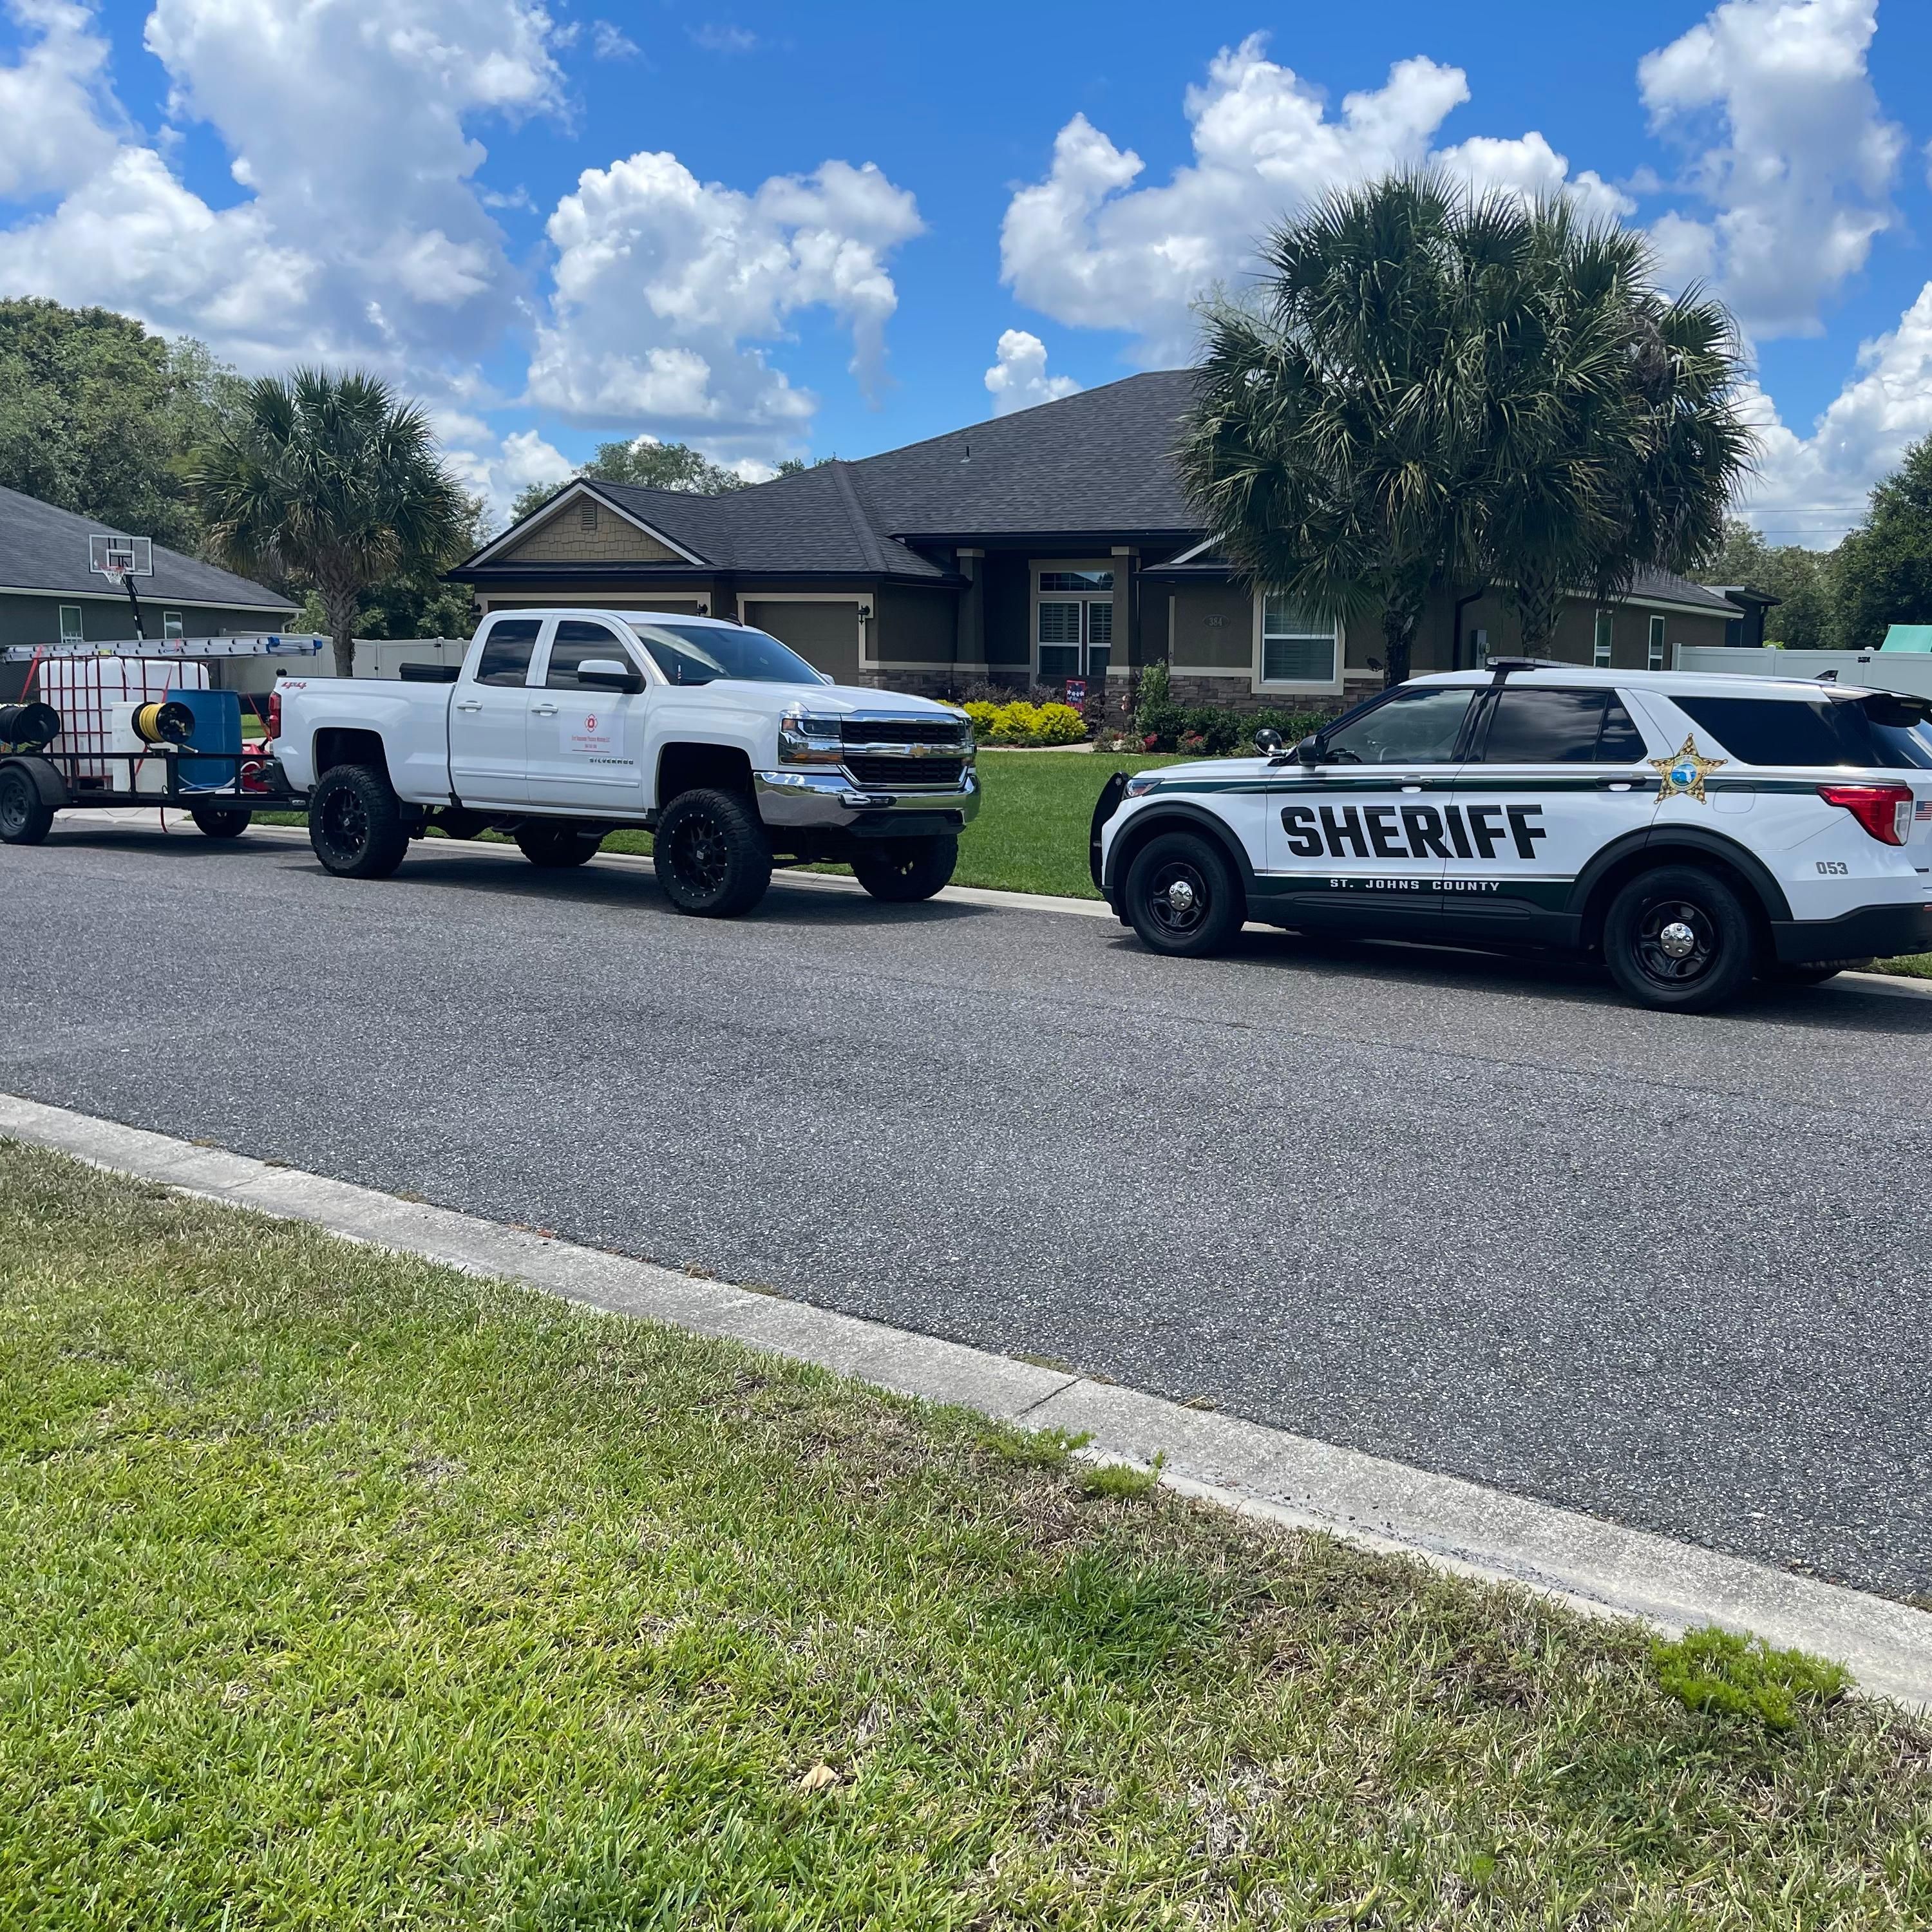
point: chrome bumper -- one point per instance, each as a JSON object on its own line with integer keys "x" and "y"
{"x": 830, "y": 801}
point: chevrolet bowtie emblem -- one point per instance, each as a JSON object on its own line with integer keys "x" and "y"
{"x": 1684, "y": 772}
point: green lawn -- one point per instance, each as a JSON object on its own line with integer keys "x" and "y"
{"x": 340, "y": 1589}
{"x": 1911, "y": 966}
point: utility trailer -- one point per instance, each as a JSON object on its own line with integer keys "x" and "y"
{"x": 136, "y": 724}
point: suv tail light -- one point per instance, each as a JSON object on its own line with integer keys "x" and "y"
{"x": 274, "y": 714}
{"x": 1885, "y": 810}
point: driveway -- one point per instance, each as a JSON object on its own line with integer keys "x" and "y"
{"x": 1476, "y": 1215}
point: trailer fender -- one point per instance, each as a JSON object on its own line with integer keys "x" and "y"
{"x": 51, "y": 786}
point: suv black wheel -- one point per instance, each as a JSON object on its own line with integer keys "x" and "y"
{"x": 1679, "y": 939}
{"x": 356, "y": 825}
{"x": 555, "y": 847}
{"x": 26, "y": 818}
{"x": 713, "y": 858}
{"x": 905, "y": 869}
{"x": 1182, "y": 896}
{"x": 219, "y": 821}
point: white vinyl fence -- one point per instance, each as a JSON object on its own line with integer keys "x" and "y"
{"x": 1877, "y": 670}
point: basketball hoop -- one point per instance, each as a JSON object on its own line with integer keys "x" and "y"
{"x": 120, "y": 560}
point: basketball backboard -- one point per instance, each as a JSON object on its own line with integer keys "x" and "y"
{"x": 117, "y": 558}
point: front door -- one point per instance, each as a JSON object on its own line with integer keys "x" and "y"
{"x": 586, "y": 746}
{"x": 490, "y": 717}
{"x": 1361, "y": 839}
{"x": 1553, "y": 776}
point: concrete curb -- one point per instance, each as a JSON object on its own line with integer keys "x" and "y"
{"x": 1266, "y": 1473}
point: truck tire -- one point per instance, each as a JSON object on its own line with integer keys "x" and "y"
{"x": 1182, "y": 897}
{"x": 1679, "y": 940}
{"x": 220, "y": 821}
{"x": 713, "y": 858}
{"x": 555, "y": 847}
{"x": 26, "y": 818}
{"x": 356, "y": 825}
{"x": 902, "y": 870}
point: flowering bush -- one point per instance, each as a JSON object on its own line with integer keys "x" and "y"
{"x": 1023, "y": 724}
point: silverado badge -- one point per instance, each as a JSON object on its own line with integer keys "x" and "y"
{"x": 1684, "y": 771}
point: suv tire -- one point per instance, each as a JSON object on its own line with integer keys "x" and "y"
{"x": 356, "y": 825}
{"x": 1679, "y": 940}
{"x": 713, "y": 858}
{"x": 1182, "y": 897}
{"x": 903, "y": 870}
{"x": 220, "y": 821}
{"x": 555, "y": 848}
{"x": 26, "y": 818}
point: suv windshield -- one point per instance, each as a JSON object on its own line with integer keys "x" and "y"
{"x": 1882, "y": 730}
{"x": 703, "y": 653}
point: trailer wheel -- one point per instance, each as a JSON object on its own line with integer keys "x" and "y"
{"x": 354, "y": 823}
{"x": 219, "y": 821}
{"x": 26, "y": 818}
{"x": 555, "y": 848}
{"x": 713, "y": 857}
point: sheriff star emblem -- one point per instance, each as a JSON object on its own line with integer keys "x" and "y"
{"x": 1684, "y": 771}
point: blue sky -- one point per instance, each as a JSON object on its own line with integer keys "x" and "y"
{"x": 775, "y": 230}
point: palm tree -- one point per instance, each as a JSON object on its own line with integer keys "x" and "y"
{"x": 1433, "y": 389}
{"x": 331, "y": 478}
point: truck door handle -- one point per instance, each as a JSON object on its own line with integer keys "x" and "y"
{"x": 471, "y": 704}
{"x": 543, "y": 710}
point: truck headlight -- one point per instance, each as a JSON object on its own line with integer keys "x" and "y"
{"x": 806, "y": 740}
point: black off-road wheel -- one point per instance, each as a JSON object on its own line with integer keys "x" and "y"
{"x": 220, "y": 821}
{"x": 903, "y": 870}
{"x": 1182, "y": 897}
{"x": 714, "y": 859}
{"x": 355, "y": 824}
{"x": 1679, "y": 940}
{"x": 556, "y": 848}
{"x": 26, "y": 818}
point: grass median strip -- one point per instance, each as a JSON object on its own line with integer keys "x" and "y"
{"x": 341, "y": 1588}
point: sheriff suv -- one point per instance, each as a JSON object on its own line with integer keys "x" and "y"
{"x": 1692, "y": 832}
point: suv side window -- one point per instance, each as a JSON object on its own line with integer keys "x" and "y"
{"x": 1413, "y": 727}
{"x": 1531, "y": 724}
{"x": 577, "y": 640}
{"x": 507, "y": 649}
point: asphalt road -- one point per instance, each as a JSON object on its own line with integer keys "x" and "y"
{"x": 1476, "y": 1215}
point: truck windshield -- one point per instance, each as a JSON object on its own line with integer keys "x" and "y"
{"x": 703, "y": 653}
{"x": 1882, "y": 730}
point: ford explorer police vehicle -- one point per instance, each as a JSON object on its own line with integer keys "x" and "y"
{"x": 1693, "y": 831}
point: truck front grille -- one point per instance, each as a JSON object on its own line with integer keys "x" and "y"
{"x": 901, "y": 731}
{"x": 902, "y": 774}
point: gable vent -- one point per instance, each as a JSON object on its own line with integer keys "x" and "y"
{"x": 586, "y": 515}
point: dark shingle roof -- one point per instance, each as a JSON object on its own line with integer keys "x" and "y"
{"x": 45, "y": 548}
{"x": 813, "y": 519}
{"x": 1664, "y": 586}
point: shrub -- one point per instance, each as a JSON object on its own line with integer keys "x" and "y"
{"x": 1021, "y": 723}
{"x": 1713, "y": 1670}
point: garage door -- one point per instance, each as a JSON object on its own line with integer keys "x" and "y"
{"x": 825, "y": 635}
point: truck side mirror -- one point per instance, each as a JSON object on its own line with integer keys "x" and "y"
{"x": 607, "y": 674}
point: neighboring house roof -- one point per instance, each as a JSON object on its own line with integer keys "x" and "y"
{"x": 44, "y": 548}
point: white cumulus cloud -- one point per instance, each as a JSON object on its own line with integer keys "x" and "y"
{"x": 1018, "y": 379}
{"x": 1089, "y": 248}
{"x": 1790, "y": 153}
{"x": 667, "y": 288}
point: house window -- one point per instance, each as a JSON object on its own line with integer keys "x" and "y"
{"x": 171, "y": 624}
{"x": 1599, "y": 654}
{"x": 1073, "y": 623}
{"x": 1296, "y": 647}
{"x": 586, "y": 515}
{"x": 70, "y": 614}
{"x": 1657, "y": 643}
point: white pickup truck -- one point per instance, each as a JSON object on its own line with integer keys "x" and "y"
{"x": 560, "y": 726}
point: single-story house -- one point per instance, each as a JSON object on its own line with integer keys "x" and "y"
{"x": 1049, "y": 545}
{"x": 48, "y": 595}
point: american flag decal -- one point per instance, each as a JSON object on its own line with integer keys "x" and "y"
{"x": 1924, "y": 811}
